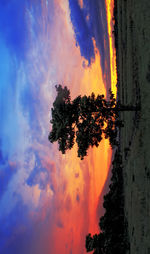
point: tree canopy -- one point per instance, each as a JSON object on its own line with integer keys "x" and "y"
{"x": 86, "y": 120}
{"x": 113, "y": 236}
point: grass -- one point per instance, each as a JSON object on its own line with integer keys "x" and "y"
{"x": 133, "y": 64}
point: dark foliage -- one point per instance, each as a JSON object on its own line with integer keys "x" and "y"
{"x": 84, "y": 120}
{"x": 113, "y": 225}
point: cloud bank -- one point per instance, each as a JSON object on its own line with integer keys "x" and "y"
{"x": 46, "y": 198}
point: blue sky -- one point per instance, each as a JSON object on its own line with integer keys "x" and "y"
{"x": 32, "y": 62}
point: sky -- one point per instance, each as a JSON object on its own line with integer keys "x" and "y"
{"x": 49, "y": 202}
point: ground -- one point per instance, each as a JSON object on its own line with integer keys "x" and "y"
{"x": 134, "y": 87}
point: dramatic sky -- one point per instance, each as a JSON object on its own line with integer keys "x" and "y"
{"x": 50, "y": 201}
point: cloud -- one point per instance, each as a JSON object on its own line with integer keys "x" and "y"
{"x": 38, "y": 175}
{"x": 98, "y": 24}
{"x": 60, "y": 224}
{"x": 78, "y": 198}
{"x": 68, "y": 203}
{"x": 44, "y": 179}
{"x": 43, "y": 173}
{"x": 76, "y": 175}
{"x": 90, "y": 22}
{"x": 82, "y": 32}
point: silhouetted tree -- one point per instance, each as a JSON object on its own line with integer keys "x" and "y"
{"x": 113, "y": 237}
{"x": 84, "y": 120}
{"x": 95, "y": 243}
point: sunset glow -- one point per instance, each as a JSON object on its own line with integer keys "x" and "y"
{"x": 49, "y": 202}
{"x": 109, "y": 10}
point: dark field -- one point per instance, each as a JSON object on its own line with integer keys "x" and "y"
{"x": 133, "y": 64}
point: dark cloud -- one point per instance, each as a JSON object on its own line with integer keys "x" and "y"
{"x": 78, "y": 198}
{"x": 60, "y": 224}
{"x": 40, "y": 175}
{"x": 76, "y": 175}
{"x": 98, "y": 25}
{"x": 91, "y": 22}
{"x": 82, "y": 32}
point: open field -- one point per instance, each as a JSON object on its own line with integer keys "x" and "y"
{"x": 133, "y": 63}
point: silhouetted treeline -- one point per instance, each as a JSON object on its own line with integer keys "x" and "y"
{"x": 115, "y": 24}
{"x": 113, "y": 238}
{"x": 115, "y": 32}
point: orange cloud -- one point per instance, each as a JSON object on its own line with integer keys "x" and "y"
{"x": 81, "y": 3}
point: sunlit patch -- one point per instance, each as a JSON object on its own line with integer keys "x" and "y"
{"x": 109, "y": 10}
{"x": 92, "y": 80}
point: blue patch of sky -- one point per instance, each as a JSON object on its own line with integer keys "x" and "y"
{"x": 13, "y": 25}
{"x": 18, "y": 91}
{"x": 19, "y": 95}
{"x": 18, "y": 222}
{"x": 22, "y": 233}
{"x": 9, "y": 123}
{"x": 6, "y": 173}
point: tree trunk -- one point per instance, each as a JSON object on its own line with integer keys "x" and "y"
{"x": 127, "y": 108}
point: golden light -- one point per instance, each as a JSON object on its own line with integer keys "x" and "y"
{"x": 109, "y": 10}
